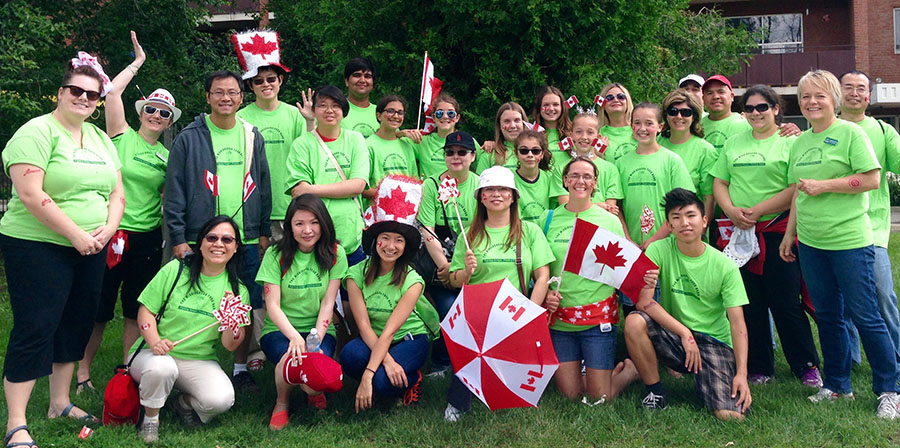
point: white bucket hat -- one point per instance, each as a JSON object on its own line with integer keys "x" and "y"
{"x": 161, "y": 97}
{"x": 742, "y": 246}
{"x": 497, "y": 176}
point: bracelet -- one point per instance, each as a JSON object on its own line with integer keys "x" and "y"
{"x": 370, "y": 370}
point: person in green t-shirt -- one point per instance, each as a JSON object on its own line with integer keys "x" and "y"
{"x": 535, "y": 180}
{"x": 577, "y": 337}
{"x": 300, "y": 276}
{"x": 497, "y": 238}
{"x": 179, "y": 332}
{"x": 139, "y": 236}
{"x": 751, "y": 187}
{"x": 508, "y": 123}
{"x": 359, "y": 77}
{"x": 856, "y": 90}
{"x": 693, "y": 84}
{"x": 430, "y": 147}
{"x": 698, "y": 324}
{"x": 551, "y": 112}
{"x": 387, "y": 302}
{"x": 615, "y": 122}
{"x": 390, "y": 152}
{"x": 834, "y": 165}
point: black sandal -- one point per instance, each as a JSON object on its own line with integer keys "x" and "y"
{"x": 85, "y": 385}
{"x": 87, "y": 417}
{"x": 11, "y": 432}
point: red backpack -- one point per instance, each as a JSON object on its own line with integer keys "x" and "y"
{"x": 121, "y": 400}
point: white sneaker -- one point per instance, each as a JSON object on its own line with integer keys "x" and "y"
{"x": 451, "y": 414}
{"x": 888, "y": 404}
{"x": 826, "y": 394}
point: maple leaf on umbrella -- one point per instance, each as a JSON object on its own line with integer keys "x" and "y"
{"x": 258, "y": 45}
{"x": 609, "y": 255}
{"x": 396, "y": 204}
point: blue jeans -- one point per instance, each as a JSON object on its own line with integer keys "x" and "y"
{"x": 410, "y": 354}
{"x": 443, "y": 299}
{"x": 250, "y": 262}
{"x": 887, "y": 304}
{"x": 275, "y": 345}
{"x": 839, "y": 282}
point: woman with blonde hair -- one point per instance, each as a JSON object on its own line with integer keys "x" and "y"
{"x": 615, "y": 121}
{"x": 508, "y": 123}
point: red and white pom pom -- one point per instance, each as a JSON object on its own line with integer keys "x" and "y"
{"x": 647, "y": 220}
{"x": 448, "y": 190}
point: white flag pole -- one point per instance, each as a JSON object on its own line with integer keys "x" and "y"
{"x": 422, "y": 91}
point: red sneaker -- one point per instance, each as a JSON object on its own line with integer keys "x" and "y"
{"x": 411, "y": 396}
{"x": 317, "y": 401}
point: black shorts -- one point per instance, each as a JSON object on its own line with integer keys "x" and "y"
{"x": 139, "y": 265}
{"x": 714, "y": 381}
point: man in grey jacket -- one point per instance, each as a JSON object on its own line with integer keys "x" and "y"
{"x": 217, "y": 166}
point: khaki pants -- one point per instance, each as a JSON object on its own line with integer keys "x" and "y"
{"x": 209, "y": 387}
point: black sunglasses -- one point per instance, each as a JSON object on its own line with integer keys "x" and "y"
{"x": 536, "y": 151}
{"x": 458, "y": 152}
{"x": 270, "y": 80}
{"x": 686, "y": 112}
{"x": 761, "y": 107}
{"x": 213, "y": 238}
{"x": 451, "y": 114}
{"x": 618, "y": 96}
{"x": 78, "y": 91}
{"x": 163, "y": 113}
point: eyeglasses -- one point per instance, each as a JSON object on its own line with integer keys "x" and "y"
{"x": 585, "y": 177}
{"x": 394, "y": 112}
{"x": 260, "y": 81}
{"x": 451, "y": 114}
{"x": 333, "y": 106}
{"x": 618, "y": 96}
{"x": 458, "y": 152}
{"x": 857, "y": 89}
{"x": 78, "y": 91}
{"x": 686, "y": 112}
{"x": 163, "y": 113}
{"x": 761, "y": 107}
{"x": 230, "y": 94}
{"x": 536, "y": 151}
{"x": 212, "y": 238}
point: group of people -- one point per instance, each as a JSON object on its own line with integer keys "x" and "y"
{"x": 327, "y": 218}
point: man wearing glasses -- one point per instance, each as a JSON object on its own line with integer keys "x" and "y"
{"x": 217, "y": 166}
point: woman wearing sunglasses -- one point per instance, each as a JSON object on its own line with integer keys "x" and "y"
{"x": 751, "y": 186}
{"x": 683, "y": 135}
{"x": 534, "y": 178}
{"x": 430, "y": 151}
{"x": 615, "y": 121}
{"x": 66, "y": 204}
{"x": 137, "y": 245}
{"x": 169, "y": 353}
{"x": 509, "y": 122}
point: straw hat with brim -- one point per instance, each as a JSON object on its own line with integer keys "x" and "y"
{"x": 497, "y": 176}
{"x": 396, "y": 205}
{"x": 159, "y": 97}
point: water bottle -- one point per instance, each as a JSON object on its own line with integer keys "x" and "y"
{"x": 312, "y": 341}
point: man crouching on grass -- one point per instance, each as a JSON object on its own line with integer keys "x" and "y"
{"x": 697, "y": 319}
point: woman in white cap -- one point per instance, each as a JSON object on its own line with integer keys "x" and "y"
{"x": 135, "y": 253}
{"x": 498, "y": 237}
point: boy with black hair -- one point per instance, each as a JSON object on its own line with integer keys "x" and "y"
{"x": 359, "y": 77}
{"x": 698, "y": 325}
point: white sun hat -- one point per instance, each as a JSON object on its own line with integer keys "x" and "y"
{"x": 497, "y": 176}
{"x": 742, "y": 246}
{"x": 161, "y": 97}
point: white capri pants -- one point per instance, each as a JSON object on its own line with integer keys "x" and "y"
{"x": 209, "y": 387}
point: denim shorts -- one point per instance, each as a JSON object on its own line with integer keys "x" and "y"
{"x": 595, "y": 347}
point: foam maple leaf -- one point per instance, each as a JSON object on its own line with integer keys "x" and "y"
{"x": 258, "y": 45}
{"x": 609, "y": 255}
{"x": 396, "y": 204}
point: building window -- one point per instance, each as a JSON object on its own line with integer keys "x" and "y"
{"x": 775, "y": 33}
{"x": 896, "y": 30}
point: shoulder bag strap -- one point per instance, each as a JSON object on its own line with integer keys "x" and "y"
{"x": 547, "y": 223}
{"x": 161, "y": 310}
{"x": 519, "y": 267}
{"x": 337, "y": 166}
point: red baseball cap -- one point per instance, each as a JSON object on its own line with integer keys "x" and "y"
{"x": 319, "y": 372}
{"x": 717, "y": 78}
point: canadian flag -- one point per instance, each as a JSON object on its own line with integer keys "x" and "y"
{"x": 212, "y": 182}
{"x": 572, "y": 101}
{"x": 534, "y": 126}
{"x": 566, "y": 144}
{"x": 600, "y": 145}
{"x": 603, "y": 256}
{"x": 430, "y": 126}
{"x": 431, "y": 86}
{"x": 600, "y": 101}
{"x": 249, "y": 186}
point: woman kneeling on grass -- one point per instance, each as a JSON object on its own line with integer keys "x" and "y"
{"x": 184, "y": 304}
{"x": 384, "y": 292}
{"x": 300, "y": 278}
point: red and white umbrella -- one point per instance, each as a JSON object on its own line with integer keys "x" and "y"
{"x": 500, "y": 345}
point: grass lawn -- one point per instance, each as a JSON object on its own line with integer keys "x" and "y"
{"x": 780, "y": 416}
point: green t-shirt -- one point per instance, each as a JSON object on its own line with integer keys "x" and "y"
{"x": 390, "y": 157}
{"x": 78, "y": 179}
{"x": 309, "y": 163}
{"x": 755, "y": 169}
{"x": 188, "y": 310}
{"x": 430, "y": 212}
{"x": 699, "y": 156}
{"x": 361, "y": 119}
{"x": 143, "y": 179}
{"x": 430, "y": 155}
{"x": 279, "y": 128}
{"x": 496, "y": 261}
{"x": 717, "y": 132}
{"x": 228, "y": 146}
{"x": 645, "y": 180}
{"x": 576, "y": 290}
{"x": 535, "y": 197}
{"x": 621, "y": 142}
{"x": 697, "y": 290}
{"x": 483, "y": 160}
{"x": 382, "y": 298}
{"x": 832, "y": 221}
{"x": 303, "y": 287}
{"x": 608, "y": 184}
{"x": 886, "y": 144}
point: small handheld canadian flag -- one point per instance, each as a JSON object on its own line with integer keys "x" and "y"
{"x": 572, "y": 101}
{"x": 566, "y": 144}
{"x": 249, "y": 186}
{"x": 534, "y": 126}
{"x": 600, "y": 101}
{"x": 600, "y": 145}
{"x": 430, "y": 126}
{"x": 212, "y": 182}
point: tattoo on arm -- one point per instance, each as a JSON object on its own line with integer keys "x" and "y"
{"x": 266, "y": 289}
{"x": 650, "y": 305}
{"x": 145, "y": 326}
{"x": 46, "y": 201}
{"x": 31, "y": 171}
{"x": 854, "y": 182}
{"x": 123, "y": 201}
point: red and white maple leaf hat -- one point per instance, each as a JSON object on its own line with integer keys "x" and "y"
{"x": 396, "y": 205}
{"x": 256, "y": 49}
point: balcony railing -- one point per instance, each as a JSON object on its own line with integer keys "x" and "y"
{"x": 787, "y": 68}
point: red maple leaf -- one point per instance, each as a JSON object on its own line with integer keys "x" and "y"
{"x": 258, "y": 45}
{"x": 609, "y": 255}
{"x": 396, "y": 204}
